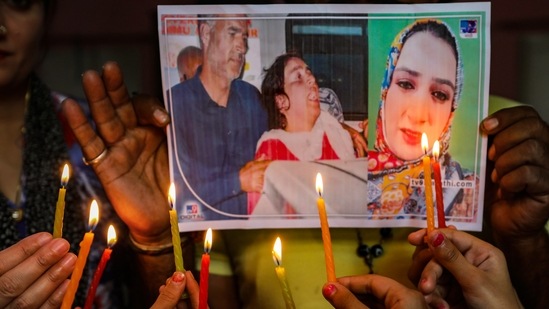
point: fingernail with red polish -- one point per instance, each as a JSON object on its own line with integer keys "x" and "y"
{"x": 178, "y": 277}
{"x": 329, "y": 290}
{"x": 438, "y": 240}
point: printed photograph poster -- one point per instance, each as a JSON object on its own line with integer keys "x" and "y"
{"x": 266, "y": 99}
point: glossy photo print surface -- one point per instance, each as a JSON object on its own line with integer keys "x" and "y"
{"x": 266, "y": 100}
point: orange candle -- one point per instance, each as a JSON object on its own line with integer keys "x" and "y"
{"x": 281, "y": 274}
{"x": 205, "y": 271}
{"x": 326, "y": 239}
{"x": 111, "y": 234}
{"x": 176, "y": 240}
{"x": 438, "y": 186}
{"x": 85, "y": 245}
{"x": 428, "y": 185}
{"x": 60, "y": 207}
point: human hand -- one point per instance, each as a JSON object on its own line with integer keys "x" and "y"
{"x": 360, "y": 142}
{"x": 518, "y": 202}
{"x": 170, "y": 293}
{"x": 465, "y": 272}
{"x": 34, "y": 272}
{"x": 371, "y": 291}
{"x": 131, "y": 158}
{"x": 364, "y": 126}
{"x": 252, "y": 175}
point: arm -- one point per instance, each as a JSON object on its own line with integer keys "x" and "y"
{"x": 360, "y": 143}
{"x": 134, "y": 166}
{"x": 517, "y": 197}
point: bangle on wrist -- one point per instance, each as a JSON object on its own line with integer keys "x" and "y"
{"x": 150, "y": 250}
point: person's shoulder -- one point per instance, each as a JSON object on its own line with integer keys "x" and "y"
{"x": 244, "y": 85}
{"x": 182, "y": 86}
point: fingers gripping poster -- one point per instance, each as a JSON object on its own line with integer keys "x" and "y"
{"x": 265, "y": 99}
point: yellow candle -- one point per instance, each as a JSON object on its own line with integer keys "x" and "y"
{"x": 429, "y": 208}
{"x": 85, "y": 246}
{"x": 281, "y": 274}
{"x": 326, "y": 239}
{"x": 60, "y": 208}
{"x": 176, "y": 240}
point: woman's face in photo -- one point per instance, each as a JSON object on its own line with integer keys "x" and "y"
{"x": 302, "y": 93}
{"x": 420, "y": 96}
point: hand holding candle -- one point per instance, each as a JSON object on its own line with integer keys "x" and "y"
{"x": 281, "y": 274}
{"x": 429, "y": 208}
{"x": 176, "y": 240}
{"x": 60, "y": 207}
{"x": 438, "y": 186}
{"x": 111, "y": 234}
{"x": 85, "y": 246}
{"x": 326, "y": 239}
{"x": 205, "y": 271}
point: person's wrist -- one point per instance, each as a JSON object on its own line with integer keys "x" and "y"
{"x": 150, "y": 248}
{"x": 160, "y": 244}
{"x": 522, "y": 243}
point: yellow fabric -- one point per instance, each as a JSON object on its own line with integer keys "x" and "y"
{"x": 303, "y": 259}
{"x": 496, "y": 103}
{"x": 249, "y": 253}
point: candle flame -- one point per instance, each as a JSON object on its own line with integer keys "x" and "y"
{"x": 436, "y": 150}
{"x": 111, "y": 236}
{"x": 319, "y": 184}
{"x": 94, "y": 215}
{"x": 65, "y": 175}
{"x": 208, "y": 241}
{"x": 424, "y": 143}
{"x": 277, "y": 252}
{"x": 171, "y": 195}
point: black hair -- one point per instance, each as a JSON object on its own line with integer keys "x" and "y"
{"x": 273, "y": 86}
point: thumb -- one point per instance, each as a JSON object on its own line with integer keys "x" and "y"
{"x": 340, "y": 297}
{"x": 171, "y": 292}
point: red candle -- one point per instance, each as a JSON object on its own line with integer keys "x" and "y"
{"x": 438, "y": 187}
{"x": 204, "y": 271}
{"x": 100, "y": 268}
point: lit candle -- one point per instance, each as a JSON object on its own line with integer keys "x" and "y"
{"x": 438, "y": 186}
{"x": 428, "y": 184}
{"x": 111, "y": 236}
{"x": 326, "y": 239}
{"x": 60, "y": 208}
{"x": 205, "y": 271}
{"x": 85, "y": 245}
{"x": 281, "y": 274}
{"x": 176, "y": 240}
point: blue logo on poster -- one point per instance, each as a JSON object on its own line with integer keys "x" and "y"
{"x": 468, "y": 28}
{"x": 191, "y": 209}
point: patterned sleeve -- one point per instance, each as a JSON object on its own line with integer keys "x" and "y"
{"x": 329, "y": 102}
